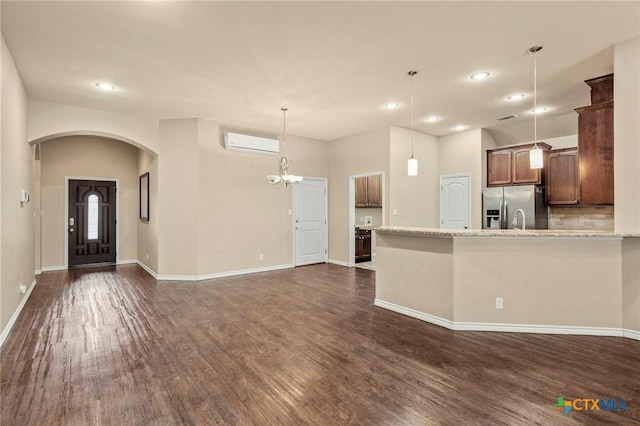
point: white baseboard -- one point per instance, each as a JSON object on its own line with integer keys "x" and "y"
{"x": 146, "y": 268}
{"x": 442, "y": 322}
{"x": 339, "y": 262}
{"x": 631, "y": 334}
{"x": 14, "y": 317}
{"x": 214, "y": 275}
{"x": 53, "y": 268}
{"x": 126, "y": 261}
{"x": 538, "y": 329}
{"x": 509, "y": 328}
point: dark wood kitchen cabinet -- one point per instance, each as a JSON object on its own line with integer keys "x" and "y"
{"x": 363, "y": 245}
{"x": 510, "y": 166}
{"x": 499, "y": 167}
{"x": 562, "y": 177}
{"x": 369, "y": 191}
{"x": 595, "y": 144}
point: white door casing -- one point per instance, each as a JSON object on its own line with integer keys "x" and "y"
{"x": 310, "y": 221}
{"x": 455, "y": 208}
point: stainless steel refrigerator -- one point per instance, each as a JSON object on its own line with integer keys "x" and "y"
{"x": 499, "y": 205}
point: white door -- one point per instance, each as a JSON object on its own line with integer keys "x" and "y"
{"x": 310, "y": 221}
{"x": 454, "y": 202}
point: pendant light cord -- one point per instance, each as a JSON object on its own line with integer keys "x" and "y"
{"x": 535, "y": 50}
{"x": 412, "y": 73}
{"x": 535, "y": 99}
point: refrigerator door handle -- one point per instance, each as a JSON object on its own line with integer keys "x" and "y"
{"x": 505, "y": 223}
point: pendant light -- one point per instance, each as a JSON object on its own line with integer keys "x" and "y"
{"x": 283, "y": 162}
{"x": 412, "y": 164}
{"x": 535, "y": 155}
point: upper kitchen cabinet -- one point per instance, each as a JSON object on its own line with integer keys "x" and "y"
{"x": 595, "y": 144}
{"x": 562, "y": 177}
{"x": 510, "y": 166}
{"x": 369, "y": 191}
{"x": 499, "y": 167}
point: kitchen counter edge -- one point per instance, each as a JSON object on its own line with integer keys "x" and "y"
{"x": 438, "y": 232}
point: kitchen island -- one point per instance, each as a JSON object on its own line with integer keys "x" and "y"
{"x": 565, "y": 282}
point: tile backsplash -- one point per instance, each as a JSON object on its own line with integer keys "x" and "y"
{"x": 598, "y": 218}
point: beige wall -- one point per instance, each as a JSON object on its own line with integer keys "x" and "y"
{"x": 217, "y": 211}
{"x": 46, "y": 119}
{"x": 460, "y": 153}
{"x": 148, "y": 230}
{"x": 16, "y": 173}
{"x": 87, "y": 156}
{"x": 416, "y": 199}
{"x": 178, "y": 197}
{"x": 374, "y": 212}
{"x": 487, "y": 143}
{"x": 631, "y": 284}
{"x": 626, "y": 130}
{"x": 562, "y": 282}
{"x": 362, "y": 153}
{"x": 416, "y": 273}
{"x": 557, "y": 281}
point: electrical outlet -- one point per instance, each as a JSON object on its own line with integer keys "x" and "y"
{"x": 395, "y": 212}
{"x": 147, "y": 256}
{"x": 289, "y": 212}
{"x": 499, "y": 303}
{"x": 261, "y": 256}
{"x": 23, "y": 288}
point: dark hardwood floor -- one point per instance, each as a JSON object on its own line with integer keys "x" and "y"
{"x": 111, "y": 346}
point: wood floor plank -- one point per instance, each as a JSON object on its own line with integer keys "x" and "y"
{"x": 112, "y": 346}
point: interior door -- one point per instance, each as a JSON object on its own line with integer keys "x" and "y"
{"x": 91, "y": 224}
{"x": 310, "y": 219}
{"x": 454, "y": 202}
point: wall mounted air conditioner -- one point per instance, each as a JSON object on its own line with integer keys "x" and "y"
{"x": 248, "y": 143}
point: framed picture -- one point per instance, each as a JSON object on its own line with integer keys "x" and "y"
{"x": 144, "y": 197}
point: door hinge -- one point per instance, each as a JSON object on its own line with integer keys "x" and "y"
{"x": 325, "y": 221}
{"x": 325, "y": 251}
{"x": 441, "y": 221}
{"x": 116, "y": 221}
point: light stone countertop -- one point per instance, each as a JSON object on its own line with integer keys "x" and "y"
{"x": 547, "y": 233}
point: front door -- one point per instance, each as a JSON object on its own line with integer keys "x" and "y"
{"x": 454, "y": 202}
{"x": 310, "y": 217}
{"x": 91, "y": 224}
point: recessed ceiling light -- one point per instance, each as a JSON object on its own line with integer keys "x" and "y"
{"x": 539, "y": 110}
{"x": 480, "y": 75}
{"x": 391, "y": 105}
{"x": 459, "y": 127}
{"x": 432, "y": 118}
{"x": 517, "y": 97}
{"x": 106, "y": 86}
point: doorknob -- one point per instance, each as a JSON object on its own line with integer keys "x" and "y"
{"x": 70, "y": 229}
{"x": 71, "y": 221}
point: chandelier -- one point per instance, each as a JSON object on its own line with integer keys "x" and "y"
{"x": 283, "y": 162}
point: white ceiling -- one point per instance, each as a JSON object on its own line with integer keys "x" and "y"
{"x": 333, "y": 64}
